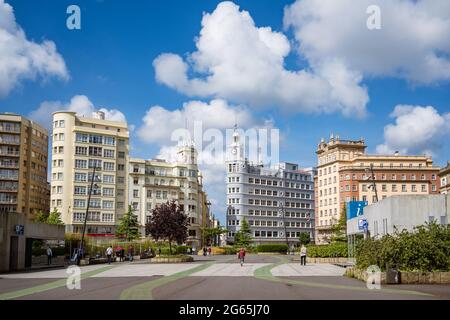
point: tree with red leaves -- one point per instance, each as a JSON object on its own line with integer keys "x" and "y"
{"x": 168, "y": 222}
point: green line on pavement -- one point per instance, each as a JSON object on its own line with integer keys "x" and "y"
{"x": 264, "y": 273}
{"x": 143, "y": 291}
{"x": 48, "y": 286}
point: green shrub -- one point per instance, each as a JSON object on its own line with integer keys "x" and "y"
{"x": 276, "y": 248}
{"x": 230, "y": 250}
{"x": 426, "y": 248}
{"x": 182, "y": 249}
{"x": 333, "y": 250}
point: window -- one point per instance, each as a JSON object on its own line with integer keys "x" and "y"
{"x": 80, "y": 164}
{"x": 107, "y": 153}
{"x": 108, "y": 192}
{"x": 121, "y": 154}
{"x": 110, "y": 141}
{"x": 135, "y": 193}
{"x": 80, "y": 190}
{"x": 403, "y": 187}
{"x": 81, "y": 151}
{"x": 108, "y": 179}
{"x": 79, "y": 203}
{"x": 107, "y": 204}
{"x": 81, "y": 177}
{"x": 108, "y": 166}
{"x": 95, "y": 151}
{"x": 81, "y": 137}
{"x": 93, "y": 163}
{"x": 93, "y": 138}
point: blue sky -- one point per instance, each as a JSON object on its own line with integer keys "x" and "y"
{"x": 110, "y": 61}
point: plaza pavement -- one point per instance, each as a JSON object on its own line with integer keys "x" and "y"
{"x": 217, "y": 277}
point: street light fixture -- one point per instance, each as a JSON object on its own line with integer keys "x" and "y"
{"x": 81, "y": 249}
{"x": 372, "y": 177}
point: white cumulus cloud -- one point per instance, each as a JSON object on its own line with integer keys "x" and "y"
{"x": 412, "y": 44}
{"x": 239, "y": 61}
{"x": 79, "y": 104}
{"x": 21, "y": 58}
{"x": 417, "y": 130}
{"x": 159, "y": 123}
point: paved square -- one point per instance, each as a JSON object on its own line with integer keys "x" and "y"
{"x": 295, "y": 270}
{"x": 145, "y": 270}
{"x": 230, "y": 270}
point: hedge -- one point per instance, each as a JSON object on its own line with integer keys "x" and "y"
{"x": 333, "y": 250}
{"x": 278, "y": 248}
{"x": 425, "y": 249}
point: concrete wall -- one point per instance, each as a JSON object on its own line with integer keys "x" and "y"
{"x": 402, "y": 212}
{"x": 8, "y": 221}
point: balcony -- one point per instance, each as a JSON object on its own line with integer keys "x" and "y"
{"x": 9, "y": 188}
{"x": 9, "y": 177}
{"x": 9, "y": 165}
{"x": 8, "y": 201}
{"x": 9, "y": 153}
{"x": 9, "y": 141}
{"x": 10, "y": 129}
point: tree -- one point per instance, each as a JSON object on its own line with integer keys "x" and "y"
{"x": 168, "y": 222}
{"x": 339, "y": 230}
{"x": 54, "y": 218}
{"x": 40, "y": 217}
{"x": 304, "y": 238}
{"x": 128, "y": 226}
{"x": 210, "y": 234}
{"x": 244, "y": 236}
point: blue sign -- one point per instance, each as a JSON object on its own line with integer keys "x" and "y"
{"x": 355, "y": 209}
{"x": 19, "y": 229}
{"x": 363, "y": 224}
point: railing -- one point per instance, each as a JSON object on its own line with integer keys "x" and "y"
{"x": 9, "y": 141}
{"x": 12, "y": 130}
{"x": 9, "y": 165}
{"x": 9, "y": 177}
{"x": 6, "y": 153}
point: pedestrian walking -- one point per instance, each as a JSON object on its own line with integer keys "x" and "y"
{"x": 109, "y": 252}
{"x": 130, "y": 253}
{"x": 209, "y": 251}
{"x": 159, "y": 252}
{"x": 241, "y": 256}
{"x": 49, "y": 255}
{"x": 303, "y": 251}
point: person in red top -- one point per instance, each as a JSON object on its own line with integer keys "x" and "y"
{"x": 241, "y": 256}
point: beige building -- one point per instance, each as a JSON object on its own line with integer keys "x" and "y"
{"x": 23, "y": 166}
{"x": 79, "y": 145}
{"x": 346, "y": 173}
{"x": 153, "y": 182}
{"x": 444, "y": 175}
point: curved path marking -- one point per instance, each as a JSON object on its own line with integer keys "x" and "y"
{"x": 144, "y": 290}
{"x": 264, "y": 273}
{"x": 48, "y": 286}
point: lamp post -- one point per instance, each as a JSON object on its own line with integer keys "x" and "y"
{"x": 81, "y": 249}
{"x": 372, "y": 177}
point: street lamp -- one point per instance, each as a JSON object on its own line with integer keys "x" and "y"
{"x": 81, "y": 249}
{"x": 372, "y": 177}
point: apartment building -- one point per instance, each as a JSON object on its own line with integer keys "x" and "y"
{"x": 23, "y": 165}
{"x": 277, "y": 201}
{"x": 153, "y": 182}
{"x": 444, "y": 176}
{"x": 346, "y": 173}
{"x": 80, "y": 145}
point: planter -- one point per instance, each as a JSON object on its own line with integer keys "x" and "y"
{"x": 406, "y": 277}
{"x": 172, "y": 259}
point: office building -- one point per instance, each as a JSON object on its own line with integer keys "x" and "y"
{"x": 23, "y": 166}
{"x": 346, "y": 173}
{"x": 444, "y": 176}
{"x": 277, "y": 201}
{"x": 153, "y": 182}
{"x": 80, "y": 144}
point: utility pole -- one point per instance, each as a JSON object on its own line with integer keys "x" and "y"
{"x": 374, "y": 185}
